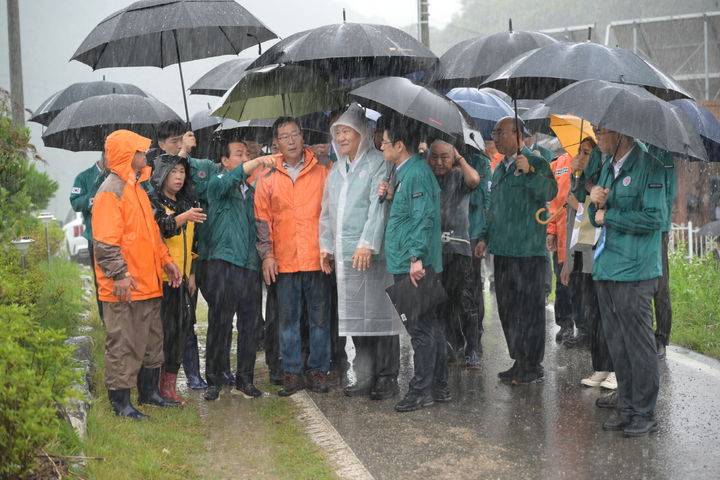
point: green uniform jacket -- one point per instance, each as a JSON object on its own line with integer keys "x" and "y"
{"x": 201, "y": 170}
{"x": 413, "y": 228}
{"x": 544, "y": 152}
{"x": 635, "y": 211}
{"x": 668, "y": 161}
{"x": 480, "y": 197}
{"x": 82, "y": 193}
{"x": 511, "y": 229}
{"x": 230, "y": 231}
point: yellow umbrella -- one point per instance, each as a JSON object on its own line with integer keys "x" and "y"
{"x": 567, "y": 130}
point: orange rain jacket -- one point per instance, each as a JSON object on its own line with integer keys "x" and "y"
{"x": 126, "y": 238}
{"x": 558, "y": 226}
{"x": 287, "y": 215}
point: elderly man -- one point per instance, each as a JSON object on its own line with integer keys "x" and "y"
{"x": 288, "y": 200}
{"x": 457, "y": 180}
{"x": 629, "y": 203}
{"x": 130, "y": 257}
{"x": 521, "y": 184}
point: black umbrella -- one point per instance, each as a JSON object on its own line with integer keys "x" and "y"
{"x": 260, "y": 131}
{"x": 51, "y": 107}
{"x": 542, "y": 72}
{"x": 470, "y": 62}
{"x": 158, "y": 33}
{"x": 632, "y": 111}
{"x": 204, "y": 126}
{"x": 711, "y": 229}
{"x": 221, "y": 78}
{"x": 429, "y": 107}
{"x": 352, "y": 50}
{"x": 84, "y": 125}
{"x": 537, "y": 119}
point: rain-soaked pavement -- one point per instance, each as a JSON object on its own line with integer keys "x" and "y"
{"x": 549, "y": 430}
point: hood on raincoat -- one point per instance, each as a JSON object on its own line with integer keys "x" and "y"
{"x": 164, "y": 165}
{"x": 354, "y": 117}
{"x": 120, "y": 148}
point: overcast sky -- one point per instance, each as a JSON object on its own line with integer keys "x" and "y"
{"x": 51, "y": 31}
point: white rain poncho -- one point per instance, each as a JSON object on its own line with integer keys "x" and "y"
{"x": 353, "y": 218}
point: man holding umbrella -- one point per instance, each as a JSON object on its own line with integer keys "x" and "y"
{"x": 629, "y": 203}
{"x": 522, "y": 183}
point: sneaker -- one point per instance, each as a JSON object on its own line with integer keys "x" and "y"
{"x": 472, "y": 361}
{"x": 414, "y": 401}
{"x": 292, "y": 383}
{"x": 318, "y": 382}
{"x": 441, "y": 394}
{"x": 212, "y": 393}
{"x": 563, "y": 334}
{"x": 248, "y": 391}
{"x": 595, "y": 379}
{"x": 607, "y": 401}
{"x": 610, "y": 382}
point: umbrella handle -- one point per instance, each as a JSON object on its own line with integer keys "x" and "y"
{"x": 550, "y": 218}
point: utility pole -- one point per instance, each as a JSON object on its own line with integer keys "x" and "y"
{"x": 16, "y": 81}
{"x": 423, "y": 22}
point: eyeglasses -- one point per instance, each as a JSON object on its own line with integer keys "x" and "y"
{"x": 287, "y": 138}
{"x": 498, "y": 133}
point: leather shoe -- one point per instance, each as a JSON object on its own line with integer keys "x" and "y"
{"x": 607, "y": 401}
{"x": 414, "y": 401}
{"x": 509, "y": 373}
{"x": 640, "y": 427}
{"x": 291, "y": 383}
{"x": 581, "y": 340}
{"x": 212, "y": 393}
{"x": 618, "y": 423}
{"x": 359, "y": 388}
{"x": 529, "y": 375}
{"x": 385, "y": 387}
{"x": 247, "y": 390}
{"x": 563, "y": 333}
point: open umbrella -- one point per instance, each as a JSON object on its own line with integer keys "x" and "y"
{"x": 543, "y": 71}
{"x": 204, "y": 126}
{"x": 84, "y": 125}
{"x": 158, "y": 33}
{"x": 260, "y": 130}
{"x": 352, "y": 50}
{"x": 711, "y": 229}
{"x": 221, "y": 78}
{"x": 537, "y": 119}
{"x": 632, "y": 111}
{"x": 570, "y": 131}
{"x": 279, "y": 90}
{"x": 485, "y": 110}
{"x": 470, "y": 62}
{"x": 707, "y": 126}
{"x": 51, "y": 107}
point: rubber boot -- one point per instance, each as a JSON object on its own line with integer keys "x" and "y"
{"x": 147, "y": 383}
{"x": 191, "y": 364}
{"x": 167, "y": 387}
{"x": 120, "y": 402}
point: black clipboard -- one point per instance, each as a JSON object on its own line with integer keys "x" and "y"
{"x": 410, "y": 301}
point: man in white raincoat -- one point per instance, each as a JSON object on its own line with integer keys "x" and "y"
{"x": 352, "y": 225}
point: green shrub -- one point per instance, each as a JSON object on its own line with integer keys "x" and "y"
{"x": 60, "y": 296}
{"x": 36, "y": 373}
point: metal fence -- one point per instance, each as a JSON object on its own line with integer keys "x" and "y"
{"x": 686, "y": 237}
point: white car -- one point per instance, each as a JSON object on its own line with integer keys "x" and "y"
{"x": 77, "y": 245}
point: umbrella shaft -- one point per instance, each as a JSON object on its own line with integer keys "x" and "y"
{"x": 182, "y": 80}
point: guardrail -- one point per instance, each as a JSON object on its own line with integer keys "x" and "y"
{"x": 686, "y": 237}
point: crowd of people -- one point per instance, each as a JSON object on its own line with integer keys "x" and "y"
{"x": 324, "y": 230}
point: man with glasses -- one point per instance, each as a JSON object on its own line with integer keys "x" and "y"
{"x": 522, "y": 183}
{"x": 288, "y": 201}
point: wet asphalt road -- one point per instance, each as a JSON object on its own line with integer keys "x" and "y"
{"x": 550, "y": 430}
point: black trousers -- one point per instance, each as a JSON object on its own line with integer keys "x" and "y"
{"x": 519, "y": 287}
{"x": 91, "y": 253}
{"x": 427, "y": 337}
{"x": 231, "y": 291}
{"x": 626, "y": 313}
{"x": 663, "y": 305}
{"x": 478, "y": 283}
{"x": 563, "y": 299}
{"x": 376, "y": 356}
{"x": 272, "y": 330}
{"x": 178, "y": 316}
{"x": 460, "y": 313}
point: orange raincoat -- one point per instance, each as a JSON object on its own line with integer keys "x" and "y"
{"x": 126, "y": 236}
{"x": 558, "y": 226}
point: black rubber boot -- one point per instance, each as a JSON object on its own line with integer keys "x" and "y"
{"x": 191, "y": 364}
{"x": 147, "y": 382}
{"x": 120, "y": 402}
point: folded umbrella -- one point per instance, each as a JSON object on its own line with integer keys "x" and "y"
{"x": 51, "y": 107}
{"x": 84, "y": 125}
{"x": 221, "y": 78}
{"x": 632, "y": 111}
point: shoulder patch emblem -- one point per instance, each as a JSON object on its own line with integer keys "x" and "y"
{"x": 627, "y": 180}
{"x": 75, "y": 190}
{"x": 202, "y": 174}
{"x": 417, "y": 195}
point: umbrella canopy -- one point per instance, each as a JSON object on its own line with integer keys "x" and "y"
{"x": 480, "y": 95}
{"x": 51, "y": 107}
{"x": 260, "y": 130}
{"x": 204, "y": 126}
{"x": 537, "y": 119}
{"x": 632, "y": 111}
{"x": 221, "y": 78}
{"x": 351, "y": 50}
{"x": 470, "y": 62}
{"x": 542, "y": 72}
{"x": 279, "y": 90}
{"x": 158, "y": 33}
{"x": 485, "y": 108}
{"x": 706, "y": 123}
{"x": 570, "y": 131}
{"x": 711, "y": 229}
{"x": 421, "y": 104}
{"x": 84, "y": 125}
